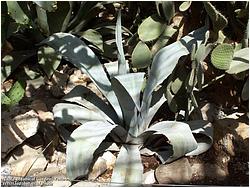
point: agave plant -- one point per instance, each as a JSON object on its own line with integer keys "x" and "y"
{"x": 124, "y": 119}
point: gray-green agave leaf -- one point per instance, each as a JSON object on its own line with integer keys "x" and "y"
{"x": 82, "y": 144}
{"x": 240, "y": 61}
{"x": 79, "y": 54}
{"x": 128, "y": 168}
{"x": 179, "y": 140}
{"x": 203, "y": 133}
{"x": 164, "y": 63}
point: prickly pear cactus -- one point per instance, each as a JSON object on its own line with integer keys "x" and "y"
{"x": 219, "y": 21}
{"x": 150, "y": 29}
{"x": 222, "y": 56}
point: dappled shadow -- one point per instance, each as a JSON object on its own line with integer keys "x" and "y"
{"x": 232, "y": 159}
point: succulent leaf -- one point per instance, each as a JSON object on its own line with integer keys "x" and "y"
{"x": 79, "y": 54}
{"x": 185, "y": 5}
{"x": 82, "y": 144}
{"x": 240, "y": 61}
{"x": 150, "y": 29}
{"x": 245, "y": 91}
{"x": 218, "y": 20}
{"x": 17, "y": 13}
{"x": 88, "y": 99}
{"x": 141, "y": 56}
{"x": 222, "y": 56}
{"x": 203, "y": 133}
{"x": 123, "y": 66}
{"x": 128, "y": 168}
{"x": 50, "y": 6}
{"x": 49, "y": 60}
{"x": 179, "y": 135}
{"x": 94, "y": 37}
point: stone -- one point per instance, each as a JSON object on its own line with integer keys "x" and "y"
{"x": 231, "y": 136}
{"x": 39, "y": 105}
{"x": 54, "y": 171}
{"x": 204, "y": 111}
{"x": 26, "y": 161}
{"x": 149, "y": 177}
{"x": 110, "y": 159}
{"x": 61, "y": 183}
{"x": 90, "y": 184}
{"x": 200, "y": 171}
{"x": 98, "y": 168}
{"x": 18, "y": 129}
{"x": 177, "y": 172}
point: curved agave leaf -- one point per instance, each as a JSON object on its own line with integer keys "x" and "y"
{"x": 112, "y": 68}
{"x": 165, "y": 61}
{"x": 79, "y": 54}
{"x": 128, "y": 88}
{"x": 133, "y": 83}
{"x": 128, "y": 167}
{"x": 158, "y": 99}
{"x": 82, "y": 144}
{"x": 67, "y": 113}
{"x": 240, "y": 61}
{"x": 123, "y": 67}
{"x": 85, "y": 97}
{"x": 180, "y": 140}
{"x": 203, "y": 133}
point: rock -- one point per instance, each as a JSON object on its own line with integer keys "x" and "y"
{"x": 177, "y": 172}
{"x": 61, "y": 183}
{"x": 15, "y": 131}
{"x": 149, "y": 177}
{"x": 57, "y": 91}
{"x": 38, "y": 106}
{"x": 231, "y": 136}
{"x": 59, "y": 79}
{"x": 208, "y": 171}
{"x": 42, "y": 110}
{"x": 99, "y": 168}
{"x": 104, "y": 162}
{"x": 54, "y": 171}
{"x": 5, "y": 170}
{"x": 90, "y": 184}
{"x": 33, "y": 85}
{"x": 26, "y": 161}
{"x": 77, "y": 78}
{"x": 205, "y": 112}
{"x": 110, "y": 159}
